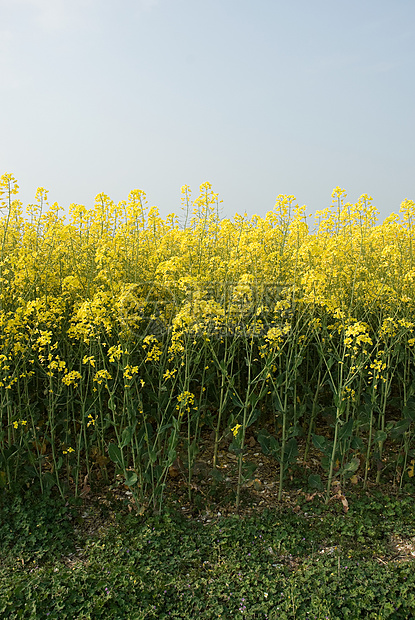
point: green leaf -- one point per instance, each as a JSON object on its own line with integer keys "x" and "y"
{"x": 274, "y": 446}
{"x": 351, "y": 466}
{"x": 176, "y": 424}
{"x": 146, "y": 430}
{"x": 126, "y": 436}
{"x": 216, "y": 475}
{"x": 291, "y": 451}
{"x": 409, "y": 410}
{"x": 236, "y": 400}
{"x": 248, "y": 470}
{"x": 163, "y": 428}
{"x": 253, "y": 417}
{"x": 171, "y": 456}
{"x": 130, "y": 478}
{"x": 115, "y": 454}
{"x": 158, "y": 471}
{"x": 314, "y": 482}
{"x": 320, "y": 443}
{"x": 152, "y": 455}
{"x": 223, "y": 367}
{"x": 235, "y": 446}
{"x": 276, "y": 400}
{"x": 294, "y": 431}
{"x": 325, "y": 462}
{"x": 356, "y": 443}
{"x": 193, "y": 449}
{"x": 400, "y": 427}
{"x": 380, "y": 437}
{"x": 263, "y": 439}
{"x": 346, "y": 431}
{"x": 48, "y": 480}
{"x": 253, "y": 399}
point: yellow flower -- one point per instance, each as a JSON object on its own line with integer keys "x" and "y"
{"x": 89, "y": 360}
{"x": 16, "y": 423}
{"x": 92, "y": 420}
{"x": 169, "y": 374}
{"x": 101, "y": 376}
{"x": 185, "y": 401}
{"x": 129, "y": 371}
{"x": 235, "y": 429}
{"x": 72, "y": 378}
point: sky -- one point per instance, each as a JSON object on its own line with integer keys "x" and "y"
{"x": 258, "y": 97}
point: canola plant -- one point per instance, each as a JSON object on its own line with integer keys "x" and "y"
{"x": 125, "y": 336}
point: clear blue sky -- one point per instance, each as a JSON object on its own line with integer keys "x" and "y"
{"x": 259, "y": 97}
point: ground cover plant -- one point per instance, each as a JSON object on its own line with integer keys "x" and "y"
{"x": 302, "y": 560}
{"x": 176, "y": 357}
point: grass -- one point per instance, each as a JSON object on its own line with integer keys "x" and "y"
{"x": 98, "y": 559}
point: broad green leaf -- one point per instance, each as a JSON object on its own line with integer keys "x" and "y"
{"x": 216, "y": 475}
{"x": 115, "y": 453}
{"x": 278, "y": 381}
{"x": 356, "y": 443}
{"x": 48, "y": 480}
{"x": 248, "y": 469}
{"x": 409, "y": 410}
{"x": 126, "y": 436}
{"x": 380, "y": 436}
{"x": 253, "y": 417}
{"x": 325, "y": 462}
{"x": 263, "y": 439}
{"x": 274, "y": 446}
{"x": 131, "y": 478}
{"x": 171, "y": 456}
{"x": 158, "y": 471}
{"x": 164, "y": 428}
{"x": 176, "y": 424}
{"x": 314, "y": 482}
{"x": 320, "y": 443}
{"x": 291, "y": 451}
{"x": 346, "y": 431}
{"x": 253, "y": 399}
{"x": 400, "y": 427}
{"x": 152, "y": 455}
{"x": 294, "y": 431}
{"x": 351, "y": 466}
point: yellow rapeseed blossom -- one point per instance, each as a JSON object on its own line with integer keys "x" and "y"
{"x": 101, "y": 375}
{"x": 68, "y": 451}
{"x": 18, "y": 423}
{"x": 72, "y": 378}
{"x": 185, "y": 402}
{"x": 89, "y": 360}
{"x": 235, "y": 429}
